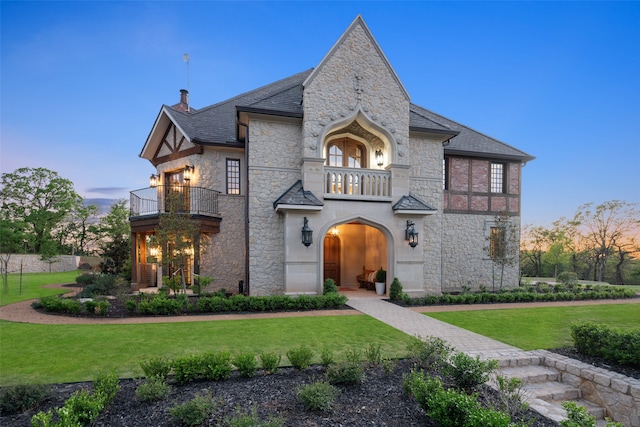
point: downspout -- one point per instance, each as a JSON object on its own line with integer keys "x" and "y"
{"x": 246, "y": 209}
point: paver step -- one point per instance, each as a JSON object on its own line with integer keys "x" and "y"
{"x": 552, "y": 390}
{"x": 531, "y": 373}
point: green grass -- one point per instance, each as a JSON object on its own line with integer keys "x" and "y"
{"x": 540, "y": 328}
{"x": 33, "y": 353}
{"x": 32, "y": 283}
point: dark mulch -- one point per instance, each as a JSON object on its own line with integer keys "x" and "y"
{"x": 379, "y": 401}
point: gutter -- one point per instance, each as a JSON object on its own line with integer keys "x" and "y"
{"x": 246, "y": 209}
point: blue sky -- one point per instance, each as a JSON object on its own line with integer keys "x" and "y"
{"x": 82, "y": 82}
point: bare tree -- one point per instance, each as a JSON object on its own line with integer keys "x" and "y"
{"x": 503, "y": 244}
{"x": 607, "y": 229}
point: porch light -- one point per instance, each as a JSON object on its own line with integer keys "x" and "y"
{"x": 307, "y": 233}
{"x": 153, "y": 251}
{"x": 153, "y": 180}
{"x": 379, "y": 157}
{"x": 188, "y": 170}
{"x": 411, "y": 234}
{"x": 334, "y": 232}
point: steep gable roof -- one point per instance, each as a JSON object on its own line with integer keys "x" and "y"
{"x": 357, "y": 23}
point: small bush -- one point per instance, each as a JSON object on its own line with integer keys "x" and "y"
{"x": 270, "y": 361}
{"x": 85, "y": 279}
{"x": 577, "y": 416}
{"x": 395, "y": 290}
{"x": 194, "y": 412}
{"x": 156, "y": 367}
{"x": 469, "y": 373}
{"x": 153, "y": 389}
{"x": 131, "y": 305}
{"x": 329, "y": 287}
{"x": 57, "y": 304}
{"x": 511, "y": 394}
{"x": 429, "y": 353}
{"x": 621, "y": 346}
{"x": 300, "y": 357}
{"x": 106, "y": 386}
{"x": 188, "y": 368}
{"x": 374, "y": 356}
{"x": 319, "y": 396}
{"x": 217, "y": 366}
{"x": 246, "y": 364}
{"x": 251, "y": 419}
{"x": 19, "y": 398}
{"x": 346, "y": 373}
{"x": 326, "y": 356}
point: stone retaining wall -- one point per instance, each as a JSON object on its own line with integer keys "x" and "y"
{"x": 618, "y": 394}
{"x": 33, "y": 264}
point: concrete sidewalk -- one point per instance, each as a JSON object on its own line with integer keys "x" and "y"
{"x": 416, "y": 324}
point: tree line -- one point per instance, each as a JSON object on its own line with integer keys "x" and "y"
{"x": 41, "y": 213}
{"x": 600, "y": 243}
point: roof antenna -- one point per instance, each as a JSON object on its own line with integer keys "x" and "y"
{"x": 185, "y": 58}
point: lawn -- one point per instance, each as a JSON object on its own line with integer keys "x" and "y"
{"x": 31, "y": 286}
{"x": 540, "y": 328}
{"x": 64, "y": 353}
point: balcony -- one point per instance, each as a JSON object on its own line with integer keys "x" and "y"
{"x": 357, "y": 184}
{"x": 146, "y": 206}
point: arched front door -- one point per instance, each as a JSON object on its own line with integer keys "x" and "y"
{"x": 332, "y": 258}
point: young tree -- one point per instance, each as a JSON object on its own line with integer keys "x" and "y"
{"x": 503, "y": 244}
{"x": 42, "y": 200}
{"x": 114, "y": 232}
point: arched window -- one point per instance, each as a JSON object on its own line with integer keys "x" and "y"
{"x": 346, "y": 153}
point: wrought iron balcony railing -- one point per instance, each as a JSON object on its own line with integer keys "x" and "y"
{"x": 183, "y": 198}
{"x": 351, "y": 183}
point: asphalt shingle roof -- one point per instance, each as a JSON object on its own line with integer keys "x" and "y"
{"x": 411, "y": 203}
{"x": 297, "y": 196}
{"x": 216, "y": 124}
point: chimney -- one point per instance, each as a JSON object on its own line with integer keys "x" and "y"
{"x": 183, "y": 105}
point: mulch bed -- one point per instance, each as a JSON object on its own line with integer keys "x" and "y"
{"x": 378, "y": 401}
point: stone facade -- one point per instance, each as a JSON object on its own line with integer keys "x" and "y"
{"x": 282, "y": 135}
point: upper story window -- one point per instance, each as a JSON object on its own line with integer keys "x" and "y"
{"x": 233, "y": 176}
{"x": 498, "y": 178}
{"x": 346, "y": 153}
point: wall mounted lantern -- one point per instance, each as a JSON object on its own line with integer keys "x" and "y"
{"x": 188, "y": 171}
{"x": 411, "y": 234}
{"x": 334, "y": 232}
{"x": 307, "y": 233}
{"x": 153, "y": 180}
{"x": 379, "y": 157}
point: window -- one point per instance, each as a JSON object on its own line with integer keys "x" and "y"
{"x": 445, "y": 173}
{"x": 498, "y": 181}
{"x": 346, "y": 153}
{"x": 233, "y": 176}
{"x": 497, "y": 242}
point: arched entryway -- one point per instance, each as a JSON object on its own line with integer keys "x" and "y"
{"x": 351, "y": 250}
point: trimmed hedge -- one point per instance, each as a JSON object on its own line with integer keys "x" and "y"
{"x": 558, "y": 292}
{"x": 614, "y": 344}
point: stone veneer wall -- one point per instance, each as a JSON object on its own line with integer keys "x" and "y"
{"x": 463, "y": 237}
{"x": 275, "y": 156}
{"x": 33, "y": 264}
{"x": 223, "y": 257}
{"x": 618, "y": 394}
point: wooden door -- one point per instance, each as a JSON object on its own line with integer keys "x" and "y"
{"x": 332, "y": 258}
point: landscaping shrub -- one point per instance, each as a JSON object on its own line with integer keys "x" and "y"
{"x": 156, "y": 367}
{"x": 300, "y": 357}
{"x": 58, "y": 304}
{"x": 270, "y": 361}
{"x": 326, "y": 356}
{"x": 85, "y": 279}
{"x": 246, "y": 364}
{"x": 131, "y": 305}
{"x": 346, "y": 373}
{"x": 217, "y": 366}
{"x": 614, "y": 344}
{"x": 99, "y": 307}
{"x": 188, "y": 368}
{"x": 395, "y": 290}
{"x": 161, "y": 304}
{"x": 374, "y": 355}
{"x": 429, "y": 353}
{"x": 19, "y": 398}
{"x": 195, "y": 411}
{"x": 511, "y": 394}
{"x": 329, "y": 287}
{"x": 252, "y": 419}
{"x": 153, "y": 389}
{"x": 319, "y": 396}
{"x": 468, "y": 373}
{"x": 106, "y": 386}
{"x": 577, "y": 416}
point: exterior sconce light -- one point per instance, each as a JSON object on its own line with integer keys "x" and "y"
{"x": 379, "y": 157}
{"x": 188, "y": 171}
{"x": 411, "y": 234}
{"x": 153, "y": 180}
{"x": 307, "y": 233}
{"x": 153, "y": 251}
